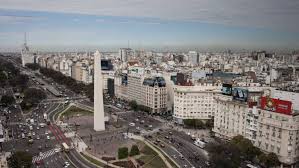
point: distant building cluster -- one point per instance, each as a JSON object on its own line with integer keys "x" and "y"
{"x": 253, "y": 94}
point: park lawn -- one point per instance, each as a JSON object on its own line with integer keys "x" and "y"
{"x": 92, "y": 160}
{"x": 150, "y": 158}
{"x": 154, "y": 162}
{"x": 146, "y": 150}
{"x": 75, "y": 111}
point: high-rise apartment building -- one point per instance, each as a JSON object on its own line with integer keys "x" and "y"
{"x": 125, "y": 54}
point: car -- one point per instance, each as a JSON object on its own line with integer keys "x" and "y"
{"x": 37, "y": 137}
{"x": 30, "y": 141}
{"x": 37, "y": 128}
{"x": 150, "y": 126}
{"x": 136, "y": 119}
{"x": 170, "y": 133}
{"x": 66, "y": 163}
{"x": 56, "y": 150}
{"x": 38, "y": 162}
{"x": 132, "y": 124}
{"x": 166, "y": 137}
{"x": 138, "y": 128}
{"x": 46, "y": 132}
{"x": 48, "y": 137}
{"x": 162, "y": 145}
{"x": 33, "y": 133}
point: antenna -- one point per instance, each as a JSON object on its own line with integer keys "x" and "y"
{"x": 128, "y": 43}
{"x": 25, "y": 38}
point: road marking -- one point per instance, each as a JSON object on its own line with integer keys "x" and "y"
{"x": 45, "y": 155}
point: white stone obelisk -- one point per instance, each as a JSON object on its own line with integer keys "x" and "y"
{"x": 99, "y": 117}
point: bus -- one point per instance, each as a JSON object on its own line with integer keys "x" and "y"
{"x": 65, "y": 147}
{"x": 199, "y": 143}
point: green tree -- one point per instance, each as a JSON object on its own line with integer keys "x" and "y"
{"x": 272, "y": 160}
{"x": 7, "y": 100}
{"x": 246, "y": 147}
{"x": 32, "y": 96}
{"x": 194, "y": 123}
{"x": 3, "y": 78}
{"x": 133, "y": 104}
{"x": 19, "y": 81}
{"x": 32, "y": 66}
{"x": 269, "y": 160}
{"x": 20, "y": 159}
{"x": 123, "y": 153}
{"x": 134, "y": 150}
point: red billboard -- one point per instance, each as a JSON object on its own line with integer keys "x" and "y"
{"x": 276, "y": 105}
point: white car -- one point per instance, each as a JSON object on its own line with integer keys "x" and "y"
{"x": 66, "y": 164}
{"x": 48, "y": 137}
{"x": 37, "y": 128}
{"x": 46, "y": 132}
{"x": 132, "y": 124}
{"x": 33, "y": 133}
{"x": 57, "y": 150}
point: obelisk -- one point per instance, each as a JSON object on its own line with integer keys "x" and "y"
{"x": 99, "y": 117}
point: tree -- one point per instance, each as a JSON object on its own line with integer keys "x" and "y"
{"x": 3, "y": 78}
{"x": 32, "y": 66}
{"x": 246, "y": 147}
{"x": 269, "y": 160}
{"x": 32, "y": 96}
{"x": 134, "y": 150}
{"x": 194, "y": 123}
{"x": 133, "y": 104}
{"x": 20, "y": 159}
{"x": 20, "y": 81}
{"x": 210, "y": 123}
{"x": 123, "y": 153}
{"x": 7, "y": 100}
{"x": 272, "y": 160}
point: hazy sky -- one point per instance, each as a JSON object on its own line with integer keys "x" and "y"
{"x": 189, "y": 24}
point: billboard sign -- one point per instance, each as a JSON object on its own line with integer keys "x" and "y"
{"x": 240, "y": 94}
{"x": 276, "y": 105}
{"x": 226, "y": 89}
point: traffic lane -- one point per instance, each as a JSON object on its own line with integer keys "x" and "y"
{"x": 173, "y": 149}
{"x": 132, "y": 117}
{"x": 193, "y": 153}
{"x": 171, "y": 152}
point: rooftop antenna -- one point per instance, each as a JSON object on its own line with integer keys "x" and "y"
{"x": 25, "y": 38}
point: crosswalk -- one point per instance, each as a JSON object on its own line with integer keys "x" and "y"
{"x": 45, "y": 154}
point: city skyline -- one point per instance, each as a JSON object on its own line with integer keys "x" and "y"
{"x": 149, "y": 24}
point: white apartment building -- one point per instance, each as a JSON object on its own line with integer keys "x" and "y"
{"x": 125, "y": 54}
{"x": 230, "y": 117}
{"x": 155, "y": 94}
{"x": 269, "y": 131}
{"x": 195, "y": 102}
{"x": 120, "y": 88}
{"x": 193, "y": 57}
{"x": 135, "y": 87}
{"x": 279, "y": 133}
